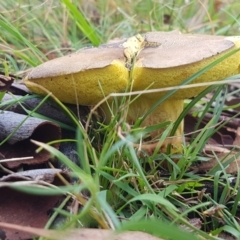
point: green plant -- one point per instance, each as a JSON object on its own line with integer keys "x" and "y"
{"x": 127, "y": 188}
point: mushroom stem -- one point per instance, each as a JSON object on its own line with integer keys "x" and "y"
{"x": 169, "y": 110}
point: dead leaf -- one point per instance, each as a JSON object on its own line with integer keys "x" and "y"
{"x": 18, "y": 88}
{"x": 213, "y": 146}
{"x": 226, "y": 236}
{"x": 196, "y": 222}
{"x": 19, "y": 144}
{"x": 221, "y": 137}
{"x": 236, "y": 141}
{"x": 47, "y": 175}
{"x": 223, "y": 157}
{"x": 48, "y": 108}
{"x": 233, "y": 101}
{"x": 5, "y": 82}
{"x": 81, "y": 234}
{"x": 24, "y": 209}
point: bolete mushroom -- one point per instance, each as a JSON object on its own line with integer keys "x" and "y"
{"x": 157, "y": 60}
{"x": 83, "y": 77}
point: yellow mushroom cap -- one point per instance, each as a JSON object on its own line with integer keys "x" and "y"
{"x": 177, "y": 56}
{"x": 85, "y": 77}
{"x": 163, "y": 59}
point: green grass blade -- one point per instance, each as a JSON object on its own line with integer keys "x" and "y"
{"x": 83, "y": 24}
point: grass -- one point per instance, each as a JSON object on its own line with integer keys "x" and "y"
{"x": 128, "y": 189}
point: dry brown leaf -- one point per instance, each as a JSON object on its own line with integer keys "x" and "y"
{"x": 48, "y": 108}
{"x": 20, "y": 127}
{"x": 5, "y": 82}
{"x": 19, "y": 144}
{"x": 232, "y": 168}
{"x": 21, "y": 208}
{"x": 81, "y": 234}
{"x": 214, "y": 147}
{"x": 47, "y": 175}
{"x": 18, "y": 88}
{"x": 226, "y": 236}
{"x": 196, "y": 222}
{"x": 236, "y": 141}
{"x": 234, "y": 101}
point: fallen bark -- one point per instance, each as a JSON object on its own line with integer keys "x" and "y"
{"x": 47, "y": 108}
{"x": 16, "y": 130}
